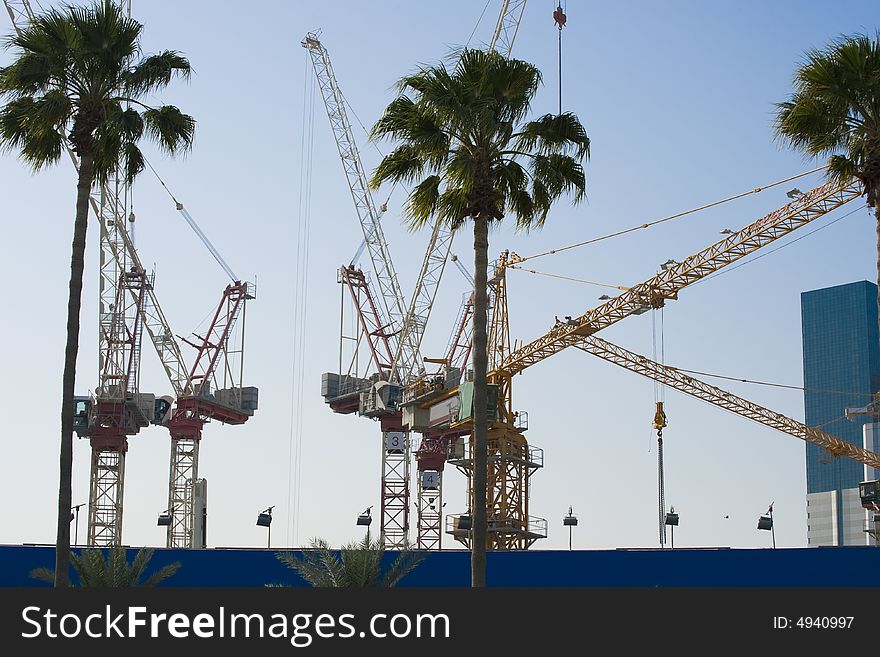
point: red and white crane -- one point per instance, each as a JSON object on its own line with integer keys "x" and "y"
{"x": 127, "y": 308}
{"x": 117, "y": 409}
{"x": 213, "y": 390}
{"x": 402, "y": 332}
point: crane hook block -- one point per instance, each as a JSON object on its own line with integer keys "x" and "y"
{"x": 559, "y": 17}
{"x": 659, "y": 417}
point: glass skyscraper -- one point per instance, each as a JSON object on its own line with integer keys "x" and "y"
{"x": 841, "y": 349}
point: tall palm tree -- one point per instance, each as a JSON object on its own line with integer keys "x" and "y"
{"x": 835, "y": 112}
{"x": 464, "y": 139}
{"x": 77, "y": 81}
{"x": 114, "y": 571}
{"x": 358, "y": 564}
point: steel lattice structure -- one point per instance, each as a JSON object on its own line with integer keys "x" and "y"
{"x": 200, "y": 401}
{"x": 673, "y": 378}
{"x": 117, "y": 409}
{"x": 507, "y": 26}
{"x": 666, "y": 285}
{"x": 184, "y": 473}
{"x": 106, "y": 487}
{"x": 652, "y": 293}
{"x": 383, "y": 267}
{"x": 396, "y": 457}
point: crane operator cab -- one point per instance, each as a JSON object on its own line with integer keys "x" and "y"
{"x": 81, "y": 408}
{"x": 869, "y": 493}
{"x": 162, "y": 409}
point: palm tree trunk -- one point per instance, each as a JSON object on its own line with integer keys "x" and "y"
{"x": 480, "y": 355}
{"x": 74, "y": 300}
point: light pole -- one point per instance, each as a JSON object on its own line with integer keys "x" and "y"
{"x": 766, "y": 522}
{"x": 672, "y": 521}
{"x": 164, "y": 519}
{"x": 75, "y": 518}
{"x": 365, "y": 519}
{"x": 569, "y": 521}
{"x": 264, "y": 519}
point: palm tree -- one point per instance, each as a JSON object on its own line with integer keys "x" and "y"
{"x": 75, "y": 83}
{"x": 358, "y": 564}
{"x": 835, "y": 112}
{"x": 114, "y": 571}
{"x": 465, "y": 140}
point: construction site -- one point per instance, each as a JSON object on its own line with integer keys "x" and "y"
{"x": 315, "y": 358}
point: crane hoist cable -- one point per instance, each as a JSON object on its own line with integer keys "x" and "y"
{"x": 300, "y": 305}
{"x": 559, "y": 18}
{"x": 775, "y": 385}
{"x": 659, "y": 425}
{"x": 625, "y": 231}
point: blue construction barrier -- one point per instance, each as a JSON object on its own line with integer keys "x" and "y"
{"x": 854, "y": 566}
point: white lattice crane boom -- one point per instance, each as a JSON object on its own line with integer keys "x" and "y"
{"x": 507, "y": 26}
{"x": 383, "y": 267}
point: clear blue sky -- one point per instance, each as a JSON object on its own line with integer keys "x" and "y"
{"x": 677, "y": 99}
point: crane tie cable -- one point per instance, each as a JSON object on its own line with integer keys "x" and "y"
{"x": 775, "y": 385}
{"x": 569, "y": 278}
{"x": 727, "y": 270}
{"x": 196, "y": 229}
{"x": 669, "y": 218}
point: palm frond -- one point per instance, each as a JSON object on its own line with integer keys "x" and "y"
{"x": 356, "y": 565}
{"x": 461, "y": 129}
{"x": 422, "y": 201}
{"x": 132, "y": 161}
{"x": 171, "y": 128}
{"x": 155, "y": 72}
{"x": 43, "y": 575}
{"x": 72, "y": 67}
{"x": 23, "y": 127}
{"x": 318, "y": 566}
{"x": 28, "y": 75}
{"x": 554, "y": 133}
{"x": 106, "y": 39}
{"x": 834, "y": 110}
{"x": 396, "y": 119}
{"x": 404, "y": 164}
{"x": 454, "y": 207}
{"x": 138, "y": 566}
{"x": 161, "y": 575}
{"x": 405, "y": 562}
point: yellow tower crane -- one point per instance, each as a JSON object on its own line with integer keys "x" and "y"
{"x": 511, "y": 459}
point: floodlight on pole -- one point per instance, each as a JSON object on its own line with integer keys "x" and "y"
{"x": 74, "y": 517}
{"x": 264, "y": 519}
{"x": 165, "y": 518}
{"x": 364, "y": 520}
{"x": 672, "y": 521}
{"x": 569, "y": 521}
{"x": 766, "y": 522}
